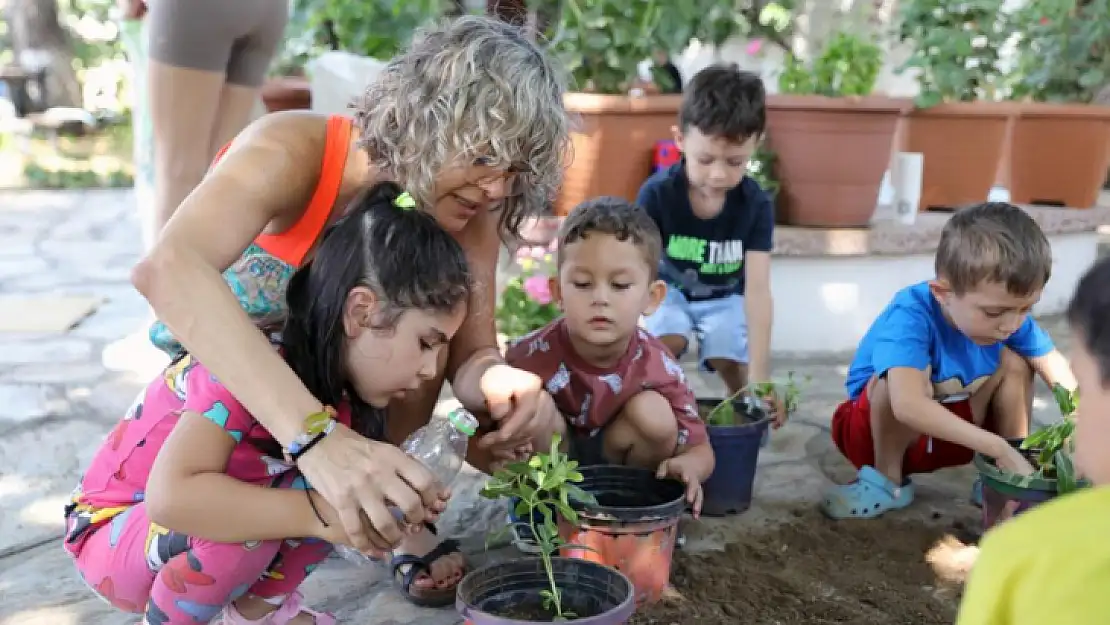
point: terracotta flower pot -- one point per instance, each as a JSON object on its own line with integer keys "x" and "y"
{"x": 613, "y": 144}
{"x": 287, "y": 93}
{"x": 963, "y": 144}
{"x": 832, "y": 153}
{"x": 1059, "y": 154}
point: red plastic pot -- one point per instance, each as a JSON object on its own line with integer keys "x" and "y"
{"x": 632, "y": 528}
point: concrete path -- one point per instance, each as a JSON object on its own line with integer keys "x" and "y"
{"x": 60, "y": 392}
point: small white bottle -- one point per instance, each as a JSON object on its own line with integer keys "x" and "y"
{"x": 441, "y": 446}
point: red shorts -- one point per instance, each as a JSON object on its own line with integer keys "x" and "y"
{"x": 851, "y": 431}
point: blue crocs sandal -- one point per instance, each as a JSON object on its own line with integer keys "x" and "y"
{"x": 869, "y": 497}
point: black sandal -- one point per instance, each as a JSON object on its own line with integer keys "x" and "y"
{"x": 424, "y": 597}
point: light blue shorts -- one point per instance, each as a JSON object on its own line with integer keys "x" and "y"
{"x": 719, "y": 325}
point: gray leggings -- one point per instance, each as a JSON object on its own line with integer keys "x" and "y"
{"x": 235, "y": 37}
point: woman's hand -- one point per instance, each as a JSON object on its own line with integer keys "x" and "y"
{"x": 362, "y": 479}
{"x": 519, "y": 405}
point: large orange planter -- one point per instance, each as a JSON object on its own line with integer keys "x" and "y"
{"x": 1059, "y": 154}
{"x": 963, "y": 144}
{"x": 613, "y": 144}
{"x": 832, "y": 153}
{"x": 287, "y": 93}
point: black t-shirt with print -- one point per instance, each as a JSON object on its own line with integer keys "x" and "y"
{"x": 704, "y": 258}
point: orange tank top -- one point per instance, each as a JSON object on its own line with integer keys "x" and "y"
{"x": 292, "y": 245}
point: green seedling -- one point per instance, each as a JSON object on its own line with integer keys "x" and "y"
{"x": 1054, "y": 444}
{"x": 547, "y": 483}
{"x": 724, "y": 413}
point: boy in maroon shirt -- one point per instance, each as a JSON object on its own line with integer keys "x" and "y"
{"x": 624, "y": 398}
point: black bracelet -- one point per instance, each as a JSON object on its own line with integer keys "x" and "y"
{"x": 295, "y": 456}
{"x": 316, "y": 510}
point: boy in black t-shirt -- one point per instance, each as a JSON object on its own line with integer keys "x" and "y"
{"x": 717, "y": 227}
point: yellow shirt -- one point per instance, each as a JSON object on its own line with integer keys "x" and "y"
{"x": 1049, "y": 566}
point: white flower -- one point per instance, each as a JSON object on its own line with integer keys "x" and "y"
{"x": 979, "y": 42}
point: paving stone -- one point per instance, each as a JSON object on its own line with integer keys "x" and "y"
{"x": 22, "y": 403}
{"x": 38, "y": 469}
{"x": 30, "y": 349}
{"x": 17, "y": 268}
{"x": 81, "y": 373}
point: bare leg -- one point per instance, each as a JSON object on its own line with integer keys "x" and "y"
{"x": 184, "y": 105}
{"x": 1008, "y": 409}
{"x": 890, "y": 436}
{"x": 644, "y": 434}
{"x": 675, "y": 344}
{"x": 234, "y": 114}
{"x": 733, "y": 374}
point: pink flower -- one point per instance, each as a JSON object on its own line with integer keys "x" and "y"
{"x": 754, "y": 46}
{"x": 538, "y": 289}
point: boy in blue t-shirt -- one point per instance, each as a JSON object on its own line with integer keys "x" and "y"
{"x": 717, "y": 227}
{"x": 946, "y": 369}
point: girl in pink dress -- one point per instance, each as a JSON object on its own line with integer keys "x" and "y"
{"x": 191, "y": 510}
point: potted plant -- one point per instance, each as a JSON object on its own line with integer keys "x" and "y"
{"x": 546, "y": 588}
{"x": 738, "y": 427}
{"x": 1049, "y": 450}
{"x": 957, "y": 125}
{"x": 825, "y": 113}
{"x": 629, "y": 522}
{"x": 1060, "y": 148}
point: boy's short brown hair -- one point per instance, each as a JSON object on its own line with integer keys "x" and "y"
{"x": 724, "y": 101}
{"x": 619, "y": 218}
{"x": 994, "y": 242}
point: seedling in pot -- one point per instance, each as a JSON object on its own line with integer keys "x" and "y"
{"x": 545, "y": 484}
{"x": 724, "y": 413}
{"x": 1053, "y": 443}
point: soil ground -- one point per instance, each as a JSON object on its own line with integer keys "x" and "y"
{"x": 812, "y": 570}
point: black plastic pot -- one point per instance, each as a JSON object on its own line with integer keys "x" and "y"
{"x": 728, "y": 490}
{"x": 508, "y": 593}
{"x": 632, "y": 528}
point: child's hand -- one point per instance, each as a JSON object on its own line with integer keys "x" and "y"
{"x": 685, "y": 469}
{"x": 1014, "y": 462}
{"x": 333, "y": 531}
{"x": 503, "y": 456}
{"x": 776, "y": 408}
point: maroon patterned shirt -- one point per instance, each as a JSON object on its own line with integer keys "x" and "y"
{"x": 590, "y": 397}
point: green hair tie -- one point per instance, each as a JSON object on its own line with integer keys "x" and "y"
{"x": 404, "y": 201}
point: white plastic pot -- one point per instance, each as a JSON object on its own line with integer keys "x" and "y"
{"x": 336, "y": 78}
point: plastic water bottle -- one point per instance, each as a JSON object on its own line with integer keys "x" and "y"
{"x": 441, "y": 447}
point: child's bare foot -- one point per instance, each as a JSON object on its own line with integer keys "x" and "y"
{"x": 444, "y": 572}
{"x": 250, "y": 609}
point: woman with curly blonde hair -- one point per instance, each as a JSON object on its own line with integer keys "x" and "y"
{"x": 470, "y": 121}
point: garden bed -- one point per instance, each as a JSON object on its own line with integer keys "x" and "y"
{"x": 812, "y": 570}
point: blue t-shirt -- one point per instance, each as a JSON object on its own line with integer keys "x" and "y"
{"x": 704, "y": 258}
{"x": 912, "y": 332}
